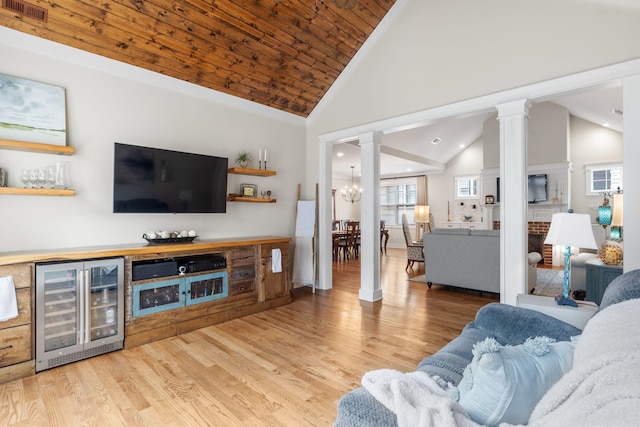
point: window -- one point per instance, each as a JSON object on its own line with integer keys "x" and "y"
{"x": 601, "y": 178}
{"x": 397, "y": 197}
{"x": 466, "y": 187}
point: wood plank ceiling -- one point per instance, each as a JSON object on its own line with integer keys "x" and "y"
{"x": 280, "y": 53}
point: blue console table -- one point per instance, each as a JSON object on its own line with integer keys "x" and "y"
{"x": 599, "y": 275}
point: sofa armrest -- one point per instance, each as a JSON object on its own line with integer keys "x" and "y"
{"x": 511, "y": 325}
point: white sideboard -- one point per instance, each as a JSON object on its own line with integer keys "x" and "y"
{"x": 461, "y": 224}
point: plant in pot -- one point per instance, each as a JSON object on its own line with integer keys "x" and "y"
{"x": 243, "y": 159}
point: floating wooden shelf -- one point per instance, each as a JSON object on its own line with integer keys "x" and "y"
{"x": 36, "y": 147}
{"x": 253, "y": 172}
{"x": 249, "y": 199}
{"x": 36, "y": 191}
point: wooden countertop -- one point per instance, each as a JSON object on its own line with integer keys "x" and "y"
{"x": 72, "y": 254}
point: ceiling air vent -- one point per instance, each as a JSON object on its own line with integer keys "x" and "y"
{"x": 26, "y": 9}
{"x": 436, "y": 141}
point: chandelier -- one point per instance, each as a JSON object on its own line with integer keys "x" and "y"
{"x": 351, "y": 194}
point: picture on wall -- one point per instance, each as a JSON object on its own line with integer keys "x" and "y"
{"x": 32, "y": 111}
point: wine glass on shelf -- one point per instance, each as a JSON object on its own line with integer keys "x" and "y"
{"x": 35, "y": 178}
{"x": 50, "y": 176}
{"x": 39, "y": 178}
{"x": 25, "y": 177}
{"x": 263, "y": 193}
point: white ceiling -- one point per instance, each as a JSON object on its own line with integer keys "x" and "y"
{"x": 411, "y": 152}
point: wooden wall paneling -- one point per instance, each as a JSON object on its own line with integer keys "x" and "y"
{"x": 282, "y": 54}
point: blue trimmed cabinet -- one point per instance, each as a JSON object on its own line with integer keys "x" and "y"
{"x": 250, "y": 282}
{"x": 179, "y": 292}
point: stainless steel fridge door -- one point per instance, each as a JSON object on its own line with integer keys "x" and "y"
{"x": 104, "y": 311}
{"x": 58, "y": 311}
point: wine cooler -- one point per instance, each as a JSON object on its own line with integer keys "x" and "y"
{"x": 79, "y": 310}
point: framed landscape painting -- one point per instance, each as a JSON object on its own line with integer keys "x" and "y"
{"x": 32, "y": 111}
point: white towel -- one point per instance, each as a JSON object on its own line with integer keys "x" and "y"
{"x": 276, "y": 260}
{"x": 8, "y": 301}
{"x": 303, "y": 261}
{"x": 306, "y": 218}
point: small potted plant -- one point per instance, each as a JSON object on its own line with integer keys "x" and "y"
{"x": 243, "y": 159}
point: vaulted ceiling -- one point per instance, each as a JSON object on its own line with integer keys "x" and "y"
{"x": 284, "y": 54}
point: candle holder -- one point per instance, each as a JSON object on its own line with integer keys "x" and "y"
{"x": 265, "y": 165}
{"x": 260, "y": 164}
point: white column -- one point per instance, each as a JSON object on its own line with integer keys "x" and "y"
{"x": 631, "y": 178}
{"x": 325, "y": 244}
{"x": 370, "y": 217}
{"x": 513, "y": 118}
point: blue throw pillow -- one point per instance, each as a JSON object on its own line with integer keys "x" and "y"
{"x": 504, "y": 383}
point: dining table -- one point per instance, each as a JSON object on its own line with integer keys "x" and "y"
{"x": 343, "y": 234}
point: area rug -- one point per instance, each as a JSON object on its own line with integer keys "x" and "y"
{"x": 419, "y": 278}
{"x": 549, "y": 282}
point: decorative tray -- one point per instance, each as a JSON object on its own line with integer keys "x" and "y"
{"x": 161, "y": 241}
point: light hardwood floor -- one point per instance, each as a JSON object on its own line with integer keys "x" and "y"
{"x": 283, "y": 367}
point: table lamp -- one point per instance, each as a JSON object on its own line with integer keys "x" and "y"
{"x": 570, "y": 229}
{"x": 617, "y": 218}
{"x": 421, "y": 216}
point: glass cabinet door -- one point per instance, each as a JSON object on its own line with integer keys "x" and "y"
{"x": 103, "y": 299}
{"x": 60, "y": 314}
{"x": 159, "y": 296}
{"x": 206, "y": 287}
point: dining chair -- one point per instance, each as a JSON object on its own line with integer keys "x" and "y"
{"x": 415, "y": 250}
{"x": 349, "y": 245}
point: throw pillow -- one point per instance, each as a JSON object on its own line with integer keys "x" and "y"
{"x": 504, "y": 383}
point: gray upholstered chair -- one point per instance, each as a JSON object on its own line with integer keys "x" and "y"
{"x": 415, "y": 251}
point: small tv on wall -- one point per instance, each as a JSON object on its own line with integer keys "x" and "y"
{"x": 153, "y": 180}
{"x": 536, "y": 188}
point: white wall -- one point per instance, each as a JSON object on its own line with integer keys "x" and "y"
{"x": 103, "y": 108}
{"x": 437, "y": 52}
{"x": 548, "y": 136}
{"x": 441, "y": 187}
{"x": 590, "y": 144}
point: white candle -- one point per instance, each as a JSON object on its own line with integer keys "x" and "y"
{"x": 265, "y": 154}
{"x": 260, "y": 154}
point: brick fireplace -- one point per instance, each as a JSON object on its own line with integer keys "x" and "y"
{"x": 537, "y": 233}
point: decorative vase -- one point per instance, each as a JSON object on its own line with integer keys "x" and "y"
{"x": 610, "y": 253}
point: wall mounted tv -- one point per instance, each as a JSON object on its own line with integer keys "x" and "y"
{"x": 153, "y": 180}
{"x": 536, "y": 188}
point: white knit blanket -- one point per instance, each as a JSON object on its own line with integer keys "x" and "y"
{"x": 415, "y": 398}
{"x": 602, "y": 389}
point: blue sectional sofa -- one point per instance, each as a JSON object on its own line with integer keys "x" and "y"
{"x": 618, "y": 401}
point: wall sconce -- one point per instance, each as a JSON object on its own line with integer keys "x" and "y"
{"x": 604, "y": 211}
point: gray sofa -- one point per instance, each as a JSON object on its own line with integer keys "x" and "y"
{"x": 464, "y": 258}
{"x": 610, "y": 347}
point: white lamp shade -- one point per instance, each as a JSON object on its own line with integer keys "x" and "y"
{"x": 571, "y": 229}
{"x": 421, "y": 213}
{"x": 616, "y": 220}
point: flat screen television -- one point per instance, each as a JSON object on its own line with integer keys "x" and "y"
{"x": 153, "y": 180}
{"x": 536, "y": 188}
